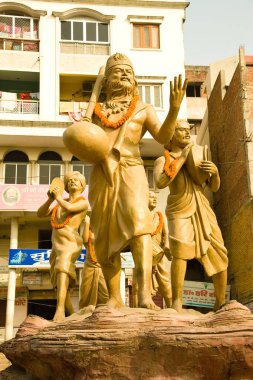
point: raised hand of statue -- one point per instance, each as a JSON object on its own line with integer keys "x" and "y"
{"x": 50, "y": 195}
{"x": 56, "y": 188}
{"x": 208, "y": 167}
{"x": 177, "y": 92}
{"x": 56, "y": 192}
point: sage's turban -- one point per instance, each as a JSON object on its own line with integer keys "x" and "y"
{"x": 117, "y": 59}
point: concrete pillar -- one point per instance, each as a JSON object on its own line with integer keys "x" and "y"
{"x": 11, "y": 284}
{"x": 80, "y": 271}
{"x": 1, "y": 171}
{"x": 66, "y": 167}
{"x": 32, "y": 173}
{"x": 57, "y": 65}
{"x": 123, "y": 285}
{"x": 47, "y": 68}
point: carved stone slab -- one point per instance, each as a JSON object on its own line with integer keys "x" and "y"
{"x": 137, "y": 344}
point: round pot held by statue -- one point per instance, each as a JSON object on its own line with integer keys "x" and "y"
{"x": 86, "y": 141}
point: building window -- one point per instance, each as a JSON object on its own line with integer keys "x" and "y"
{"x": 44, "y": 239}
{"x": 50, "y": 164}
{"x": 82, "y": 168}
{"x": 194, "y": 126}
{"x": 15, "y": 167}
{"x": 18, "y": 33}
{"x": 146, "y": 36}
{"x": 85, "y": 31}
{"x": 151, "y": 94}
{"x": 193, "y": 90}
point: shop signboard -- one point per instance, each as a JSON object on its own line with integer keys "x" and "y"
{"x": 31, "y": 278}
{"x": 20, "y": 293}
{"x": 201, "y": 294}
{"x": 127, "y": 261}
{"x": 3, "y": 264}
{"x": 4, "y": 278}
{"x": 26, "y": 197}
{"x": 36, "y": 258}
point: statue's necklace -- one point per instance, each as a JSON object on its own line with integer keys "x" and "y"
{"x": 109, "y": 124}
{"x": 169, "y": 167}
{"x": 160, "y": 225}
{"x": 53, "y": 216}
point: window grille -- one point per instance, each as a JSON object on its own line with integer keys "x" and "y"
{"x": 15, "y": 167}
{"x": 85, "y": 31}
{"x": 151, "y": 94}
{"x": 18, "y": 33}
{"x": 81, "y": 167}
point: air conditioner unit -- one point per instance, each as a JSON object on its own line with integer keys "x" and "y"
{"x": 87, "y": 87}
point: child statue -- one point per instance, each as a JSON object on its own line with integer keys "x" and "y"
{"x": 66, "y": 218}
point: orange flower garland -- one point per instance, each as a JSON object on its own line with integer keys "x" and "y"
{"x": 91, "y": 248}
{"x": 122, "y": 120}
{"x": 169, "y": 168}
{"x": 53, "y": 216}
{"x": 160, "y": 225}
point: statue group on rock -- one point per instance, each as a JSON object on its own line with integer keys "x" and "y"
{"x": 122, "y": 209}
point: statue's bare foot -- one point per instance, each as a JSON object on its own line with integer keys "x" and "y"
{"x": 148, "y": 303}
{"x": 68, "y": 305}
{"x": 116, "y": 303}
{"x": 59, "y": 315}
{"x": 168, "y": 301}
{"x": 177, "y": 305}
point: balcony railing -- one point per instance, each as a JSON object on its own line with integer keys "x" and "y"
{"x": 19, "y": 44}
{"x": 19, "y": 106}
{"x": 84, "y": 48}
{"x": 71, "y": 106}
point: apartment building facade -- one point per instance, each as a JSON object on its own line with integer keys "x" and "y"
{"x": 196, "y": 95}
{"x": 50, "y": 53}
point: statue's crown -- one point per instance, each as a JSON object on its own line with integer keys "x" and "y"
{"x": 117, "y": 59}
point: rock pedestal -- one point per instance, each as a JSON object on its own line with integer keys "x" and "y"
{"x": 137, "y": 344}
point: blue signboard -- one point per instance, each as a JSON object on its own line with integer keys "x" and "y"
{"x": 36, "y": 258}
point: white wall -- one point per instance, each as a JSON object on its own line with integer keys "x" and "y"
{"x": 168, "y": 61}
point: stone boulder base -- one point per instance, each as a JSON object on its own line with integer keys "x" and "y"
{"x": 137, "y": 344}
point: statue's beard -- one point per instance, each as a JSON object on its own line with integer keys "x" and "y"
{"x": 120, "y": 88}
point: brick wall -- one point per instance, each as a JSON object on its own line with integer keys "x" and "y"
{"x": 249, "y": 78}
{"x": 197, "y": 74}
{"x": 232, "y": 202}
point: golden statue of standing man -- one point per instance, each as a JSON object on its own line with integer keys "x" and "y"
{"x": 118, "y": 187}
{"x": 93, "y": 288}
{"x": 193, "y": 229}
{"x": 161, "y": 255}
{"x": 66, "y": 218}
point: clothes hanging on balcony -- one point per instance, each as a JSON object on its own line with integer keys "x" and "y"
{"x": 9, "y": 101}
{"x": 24, "y": 96}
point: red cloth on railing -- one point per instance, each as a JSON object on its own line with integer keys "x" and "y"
{"x": 24, "y": 96}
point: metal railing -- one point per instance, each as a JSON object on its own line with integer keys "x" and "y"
{"x": 19, "y": 106}
{"x": 85, "y": 48}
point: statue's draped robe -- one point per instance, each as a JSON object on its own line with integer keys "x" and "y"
{"x": 193, "y": 228}
{"x": 66, "y": 248}
{"x": 160, "y": 264}
{"x": 93, "y": 287}
{"x": 120, "y": 210}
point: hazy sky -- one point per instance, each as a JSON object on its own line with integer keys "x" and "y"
{"x": 214, "y": 29}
